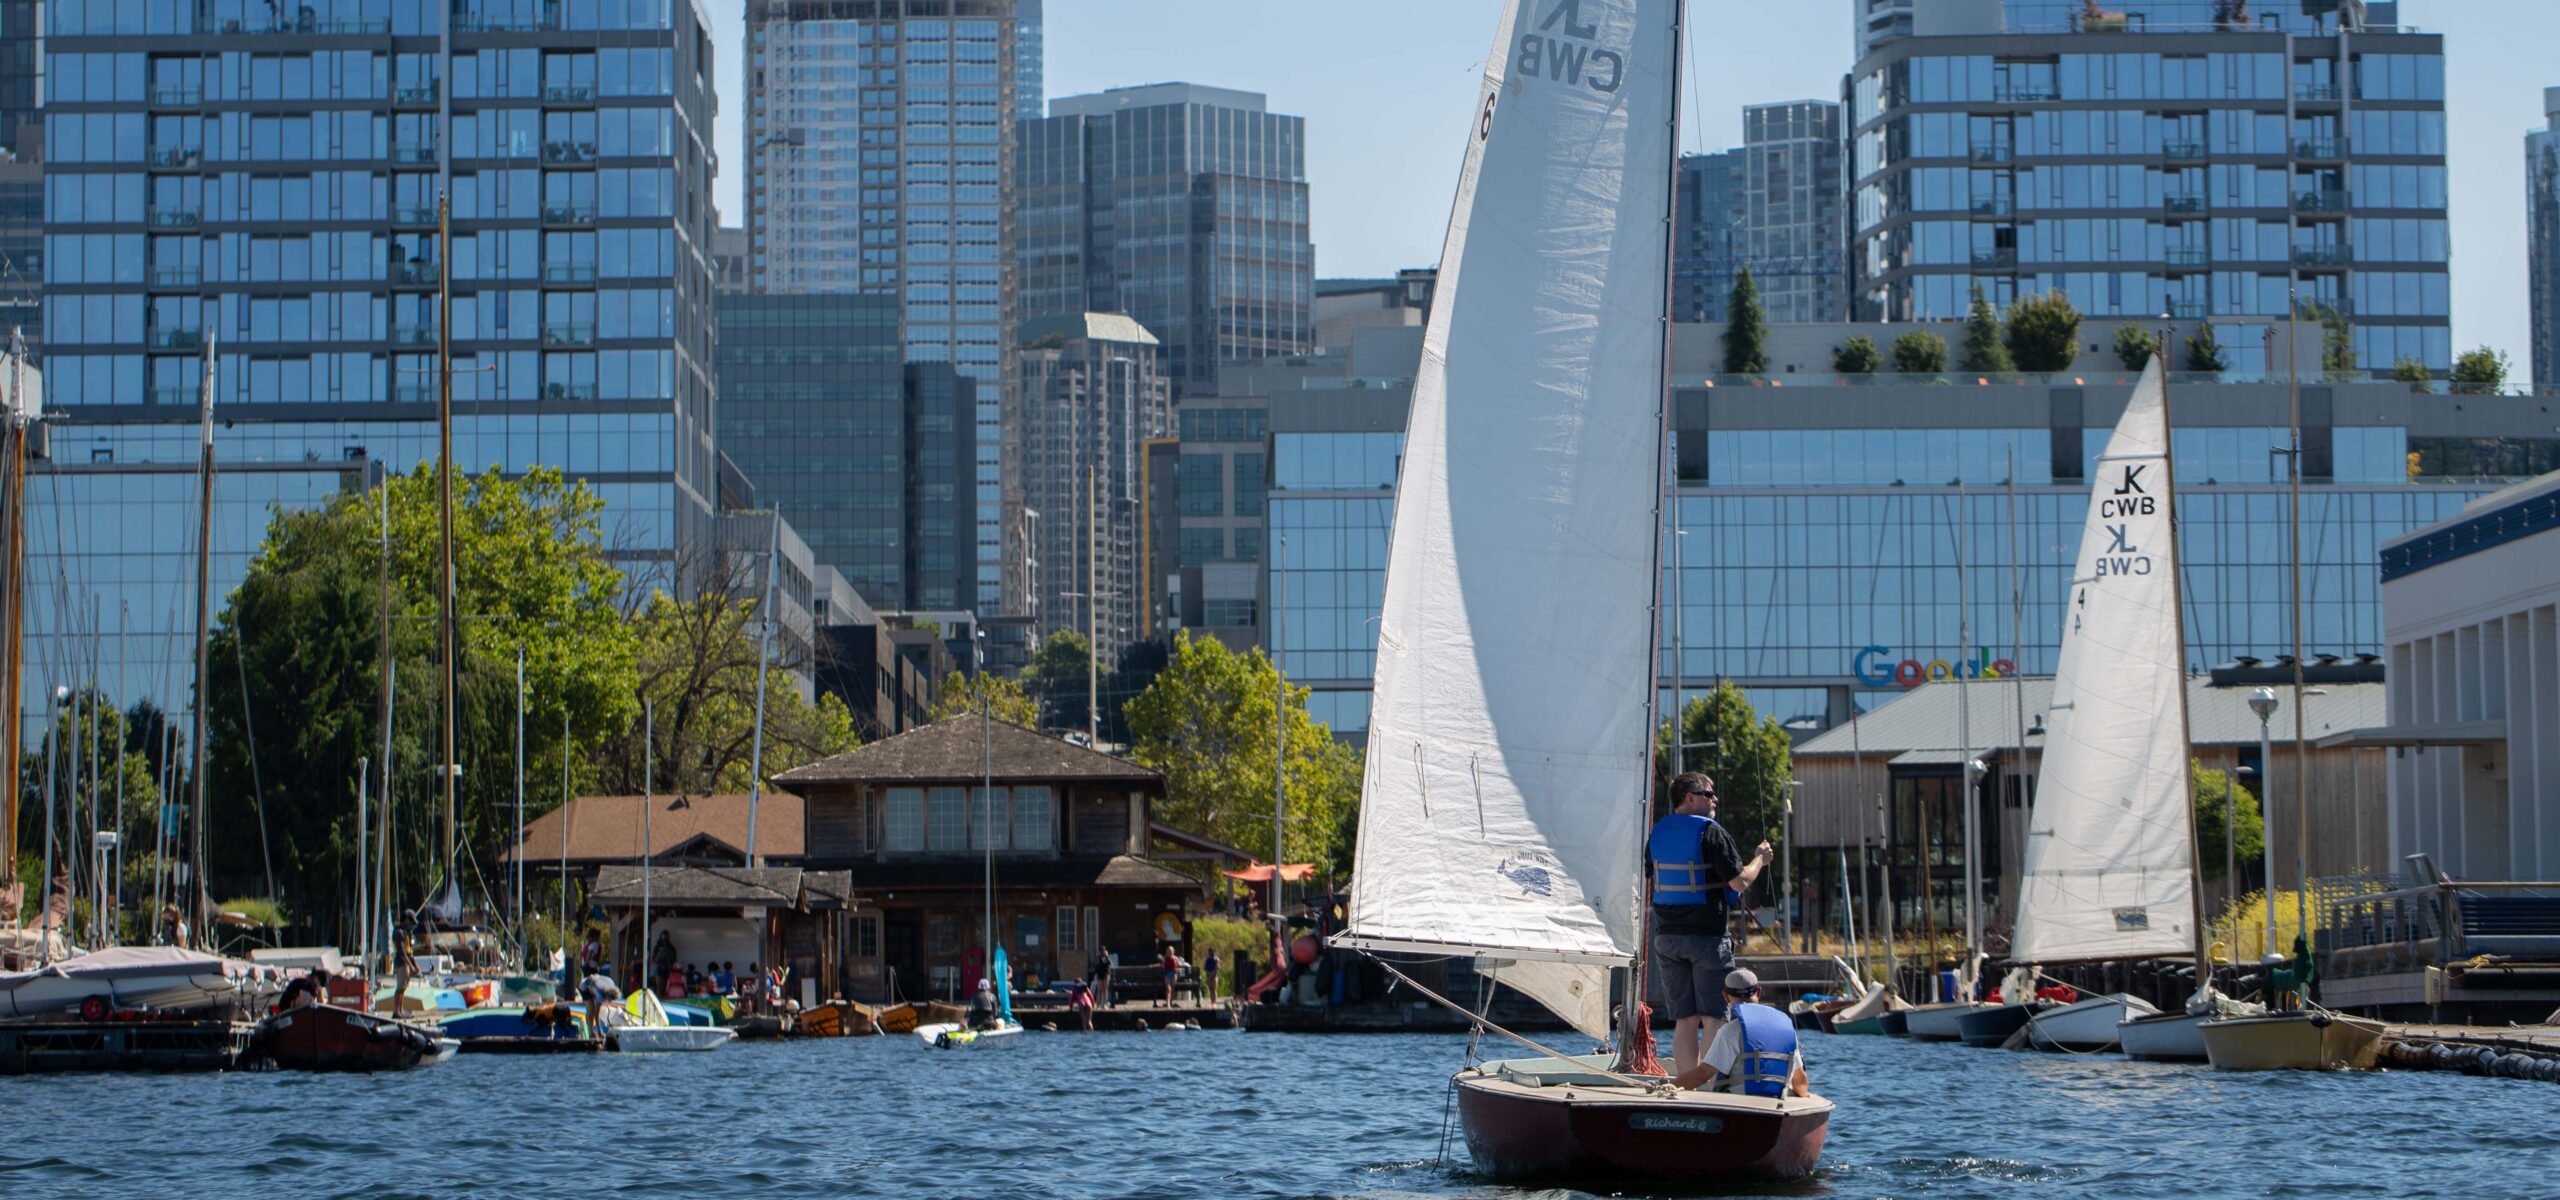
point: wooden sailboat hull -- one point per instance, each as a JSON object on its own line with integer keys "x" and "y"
{"x": 2294, "y": 1041}
{"x": 328, "y": 1038}
{"x": 898, "y": 1018}
{"x": 1989, "y": 1026}
{"x": 2088, "y": 1025}
{"x": 1937, "y": 1022}
{"x": 1518, "y": 1132}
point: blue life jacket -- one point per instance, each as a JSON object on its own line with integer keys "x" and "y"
{"x": 1679, "y": 869}
{"x": 1768, "y": 1052}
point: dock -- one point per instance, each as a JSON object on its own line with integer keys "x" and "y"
{"x": 54, "y": 1047}
{"x": 2513, "y": 1051}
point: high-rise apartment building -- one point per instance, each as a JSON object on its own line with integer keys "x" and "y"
{"x": 269, "y": 180}
{"x": 2207, "y": 158}
{"x": 1030, "y": 72}
{"x": 880, "y": 153}
{"x": 21, "y": 171}
{"x": 1707, "y": 235}
{"x": 2542, "y": 245}
{"x": 1093, "y": 395}
{"x": 1180, "y": 205}
{"x": 1791, "y": 196}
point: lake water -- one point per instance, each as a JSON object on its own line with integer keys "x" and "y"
{"x": 1223, "y": 1114}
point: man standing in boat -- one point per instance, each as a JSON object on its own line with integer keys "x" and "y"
{"x": 1694, "y": 869}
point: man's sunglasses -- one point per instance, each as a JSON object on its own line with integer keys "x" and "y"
{"x": 1709, "y": 793}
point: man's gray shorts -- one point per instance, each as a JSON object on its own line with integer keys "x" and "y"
{"x": 1688, "y": 973}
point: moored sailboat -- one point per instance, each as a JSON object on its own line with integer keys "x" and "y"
{"x": 1506, "y": 792}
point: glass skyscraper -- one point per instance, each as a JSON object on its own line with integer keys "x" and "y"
{"x": 21, "y": 172}
{"x": 1093, "y": 395}
{"x": 1708, "y": 235}
{"x": 267, "y": 180}
{"x": 1180, "y": 205}
{"x": 2207, "y": 158}
{"x": 1791, "y": 195}
{"x": 2542, "y": 246}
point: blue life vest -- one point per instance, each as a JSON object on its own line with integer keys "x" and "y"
{"x": 1679, "y": 869}
{"x": 1768, "y": 1052}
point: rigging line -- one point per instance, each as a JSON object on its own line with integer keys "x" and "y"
{"x": 249, "y": 734}
{"x": 1654, "y": 1084}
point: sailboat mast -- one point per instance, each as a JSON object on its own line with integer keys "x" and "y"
{"x": 2178, "y": 624}
{"x": 764, "y": 664}
{"x": 2301, "y": 751}
{"x": 204, "y": 622}
{"x": 1279, "y": 753}
{"x": 382, "y": 853}
{"x": 1964, "y": 733}
{"x": 448, "y": 766}
{"x": 986, "y": 811}
{"x": 13, "y": 593}
{"x": 648, "y": 848}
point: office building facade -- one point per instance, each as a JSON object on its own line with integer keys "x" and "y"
{"x": 269, "y": 182}
{"x": 1093, "y": 395}
{"x": 1791, "y": 236}
{"x": 880, "y": 157}
{"x": 1707, "y": 235}
{"x": 2201, "y": 158}
{"x": 2542, "y": 243}
{"x": 21, "y": 170}
{"x": 1824, "y": 539}
{"x": 1180, "y": 205}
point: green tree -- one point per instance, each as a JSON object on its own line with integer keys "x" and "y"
{"x": 2043, "y": 332}
{"x": 2135, "y": 344}
{"x": 1983, "y": 348}
{"x": 963, "y": 695}
{"x": 2411, "y": 371}
{"x": 2204, "y": 351}
{"x": 697, "y": 663}
{"x": 293, "y": 694}
{"x": 1746, "y": 331}
{"x": 1857, "y": 356}
{"x": 2480, "y": 371}
{"x": 2215, "y": 791}
{"x": 87, "y": 729}
{"x": 1920, "y": 353}
{"x": 2337, "y": 340}
{"x": 1750, "y": 757}
{"x": 1209, "y": 723}
{"x": 1058, "y": 678}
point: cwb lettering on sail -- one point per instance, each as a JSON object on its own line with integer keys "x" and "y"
{"x": 2122, "y": 556}
{"x": 1562, "y": 49}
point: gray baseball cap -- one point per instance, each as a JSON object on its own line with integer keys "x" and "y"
{"x": 1740, "y": 979}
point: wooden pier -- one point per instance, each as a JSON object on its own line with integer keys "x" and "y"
{"x": 54, "y": 1047}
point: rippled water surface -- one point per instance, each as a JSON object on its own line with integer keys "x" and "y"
{"x": 1221, "y": 1114}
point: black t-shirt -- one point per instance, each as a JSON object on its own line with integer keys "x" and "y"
{"x": 1715, "y": 849}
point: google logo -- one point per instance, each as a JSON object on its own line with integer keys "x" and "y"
{"x": 1874, "y": 667}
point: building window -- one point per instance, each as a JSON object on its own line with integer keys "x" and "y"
{"x": 906, "y": 819}
{"x": 949, "y": 826}
{"x": 1201, "y": 478}
{"x": 942, "y": 933}
{"x": 1067, "y": 928}
{"x": 1092, "y": 928}
{"x": 986, "y": 821}
{"x": 866, "y": 937}
{"x": 1032, "y": 809}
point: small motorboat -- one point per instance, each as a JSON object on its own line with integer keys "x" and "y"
{"x": 1574, "y": 1120}
{"x": 554, "y": 1021}
{"x": 1937, "y": 1022}
{"x": 2293, "y": 1041}
{"x": 325, "y": 1037}
{"x": 1989, "y": 1026}
{"x": 2086, "y": 1025}
{"x": 2178, "y": 1036}
{"x": 649, "y": 1031}
{"x": 90, "y": 986}
{"x": 1894, "y": 1023}
{"x": 961, "y": 1037}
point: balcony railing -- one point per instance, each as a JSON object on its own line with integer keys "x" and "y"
{"x": 568, "y": 335}
{"x": 413, "y": 215}
{"x": 175, "y": 217}
{"x": 173, "y": 396}
{"x": 176, "y": 97}
{"x": 413, "y": 335}
{"x": 2320, "y": 256}
{"x": 2319, "y": 202}
{"x": 2319, "y": 148}
{"x": 1993, "y": 152}
{"x": 175, "y": 339}
{"x": 584, "y": 393}
{"x": 569, "y": 214}
{"x": 416, "y": 274}
{"x": 490, "y": 22}
{"x": 176, "y": 158}
{"x": 1994, "y": 206}
{"x": 568, "y": 154}
{"x": 569, "y": 94}
{"x": 2183, "y": 202}
{"x": 1995, "y": 258}
{"x": 569, "y": 274}
{"x": 414, "y": 154}
{"x": 176, "y": 277}
{"x": 413, "y": 393}
{"x": 2017, "y": 93}
{"x": 2315, "y": 91}
{"x": 414, "y": 95}
{"x": 2182, "y": 151}
{"x": 2187, "y": 256}
{"x": 2190, "y": 310}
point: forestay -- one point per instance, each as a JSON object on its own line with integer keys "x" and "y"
{"x": 1504, "y": 797}
{"x": 2109, "y": 855}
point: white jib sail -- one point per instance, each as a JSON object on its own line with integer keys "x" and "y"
{"x": 2109, "y": 854}
{"x": 1504, "y": 801}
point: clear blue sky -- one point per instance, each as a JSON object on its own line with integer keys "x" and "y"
{"x": 1386, "y": 85}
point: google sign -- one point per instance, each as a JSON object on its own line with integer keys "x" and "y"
{"x": 1874, "y": 667}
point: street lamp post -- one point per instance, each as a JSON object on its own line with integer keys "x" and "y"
{"x": 2262, "y": 701}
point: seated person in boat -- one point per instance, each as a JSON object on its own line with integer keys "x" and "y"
{"x": 724, "y": 978}
{"x": 1755, "y": 1053}
{"x": 982, "y": 1010}
{"x": 1696, "y": 874}
{"x": 302, "y": 991}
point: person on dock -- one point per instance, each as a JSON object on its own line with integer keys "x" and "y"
{"x": 1694, "y": 870}
{"x": 1082, "y": 1002}
{"x": 1098, "y": 978}
{"x": 598, "y": 989}
{"x": 1244, "y": 974}
{"x": 1172, "y": 964}
{"x": 1209, "y": 978}
{"x": 1755, "y": 1053}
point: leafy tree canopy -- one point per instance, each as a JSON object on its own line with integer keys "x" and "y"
{"x": 2043, "y": 332}
{"x": 2135, "y": 345}
{"x": 2214, "y": 793}
{"x": 1746, "y": 331}
{"x": 1210, "y": 722}
{"x": 1750, "y": 757}
{"x": 1857, "y": 356}
{"x": 964, "y": 695}
{"x": 1984, "y": 349}
{"x": 2481, "y": 370}
{"x": 697, "y": 663}
{"x": 1058, "y": 678}
{"x": 1920, "y": 353}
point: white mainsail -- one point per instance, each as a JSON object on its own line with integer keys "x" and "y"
{"x": 2109, "y": 856}
{"x": 1505, "y": 794}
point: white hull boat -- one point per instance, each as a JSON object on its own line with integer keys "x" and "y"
{"x": 157, "y": 978}
{"x": 1937, "y": 1022}
{"x": 2087, "y": 1025}
{"x": 2164, "y": 1037}
{"x": 961, "y": 1037}
{"x": 666, "y": 1039}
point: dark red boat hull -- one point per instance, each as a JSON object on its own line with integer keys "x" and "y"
{"x": 327, "y": 1038}
{"x": 1580, "y": 1134}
